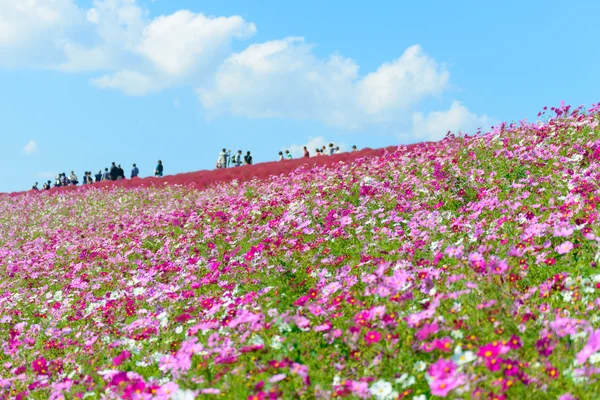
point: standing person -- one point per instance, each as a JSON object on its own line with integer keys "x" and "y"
{"x": 288, "y": 155}
{"x": 317, "y": 152}
{"x": 248, "y": 159}
{"x": 227, "y": 158}
{"x": 331, "y": 149}
{"x": 114, "y": 172}
{"x": 48, "y": 185}
{"x": 222, "y": 159}
{"x": 281, "y": 156}
{"x": 306, "y": 153}
{"x": 354, "y": 148}
{"x": 158, "y": 171}
{"x": 73, "y": 178}
{"x": 135, "y": 172}
{"x": 106, "y": 175}
{"x": 238, "y": 158}
{"x": 63, "y": 180}
{"x": 121, "y": 172}
{"x": 98, "y": 176}
{"x": 323, "y": 150}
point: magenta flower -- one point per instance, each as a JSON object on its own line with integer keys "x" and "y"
{"x": 118, "y": 360}
{"x": 372, "y": 337}
{"x": 40, "y": 366}
{"x": 489, "y": 351}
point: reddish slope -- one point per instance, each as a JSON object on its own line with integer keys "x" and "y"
{"x": 202, "y": 179}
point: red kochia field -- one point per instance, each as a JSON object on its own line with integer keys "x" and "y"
{"x": 203, "y": 179}
{"x": 462, "y": 269}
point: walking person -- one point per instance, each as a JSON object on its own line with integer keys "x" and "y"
{"x": 158, "y": 171}
{"x": 222, "y": 159}
{"x": 73, "y": 178}
{"x": 114, "y": 172}
{"x": 238, "y": 159}
{"x": 248, "y": 159}
{"x": 121, "y": 172}
{"x": 135, "y": 172}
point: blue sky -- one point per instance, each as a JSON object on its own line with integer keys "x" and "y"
{"x": 85, "y": 83}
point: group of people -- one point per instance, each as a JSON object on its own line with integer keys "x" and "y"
{"x": 226, "y": 160}
{"x": 331, "y": 150}
{"x": 115, "y": 173}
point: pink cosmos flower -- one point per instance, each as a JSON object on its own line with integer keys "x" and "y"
{"x": 427, "y": 330}
{"x": 567, "y": 396}
{"x": 563, "y": 231}
{"x": 277, "y": 378}
{"x": 564, "y": 247}
{"x": 442, "y": 369}
{"x": 441, "y": 387}
{"x": 592, "y": 346}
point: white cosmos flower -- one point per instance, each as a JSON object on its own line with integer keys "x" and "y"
{"x": 595, "y": 358}
{"x": 420, "y": 366}
{"x": 184, "y": 395}
{"x": 381, "y": 390}
{"x": 462, "y": 358}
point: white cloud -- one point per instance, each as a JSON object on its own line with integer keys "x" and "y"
{"x": 139, "y": 55}
{"x": 436, "y": 124}
{"x": 284, "y": 78}
{"x": 82, "y": 59}
{"x": 92, "y": 16}
{"x": 30, "y": 148}
{"x": 132, "y": 83}
{"x": 179, "y": 42}
{"x": 318, "y": 142}
{"x": 23, "y": 21}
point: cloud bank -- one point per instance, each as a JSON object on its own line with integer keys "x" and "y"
{"x": 125, "y": 49}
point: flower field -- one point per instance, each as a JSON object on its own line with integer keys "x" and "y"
{"x": 463, "y": 269}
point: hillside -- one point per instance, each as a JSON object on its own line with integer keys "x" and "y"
{"x": 462, "y": 269}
